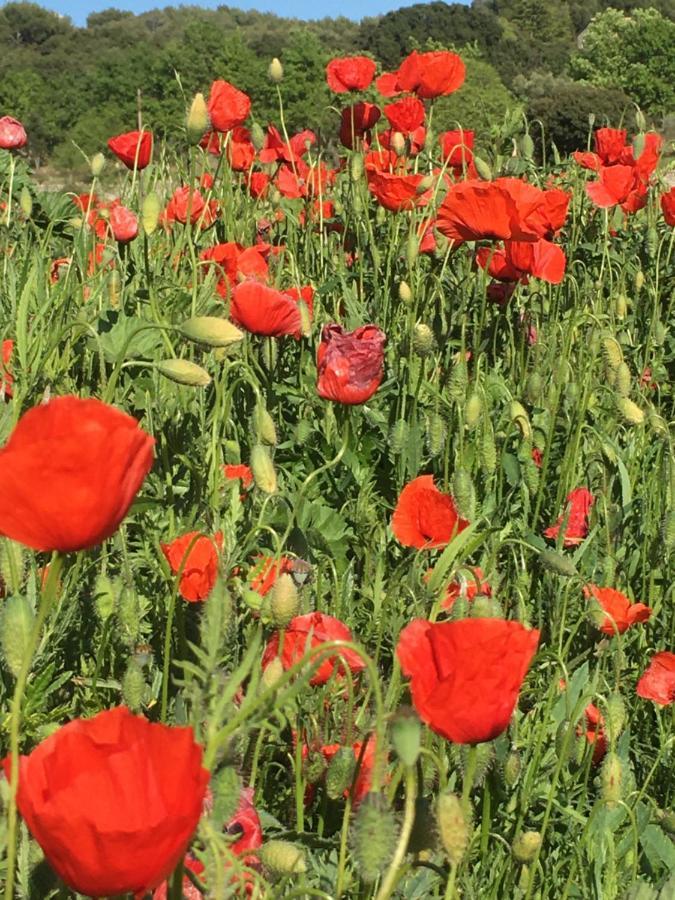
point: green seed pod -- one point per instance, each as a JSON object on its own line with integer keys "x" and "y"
{"x": 406, "y": 732}
{"x": 405, "y": 295}
{"x": 623, "y": 380}
{"x": 472, "y": 410}
{"x": 613, "y": 352}
{"x": 197, "y": 123}
{"x": 484, "y": 607}
{"x": 459, "y": 381}
{"x": 276, "y": 71}
{"x": 264, "y": 474}
{"x": 182, "y": 371}
{"x": 150, "y": 211}
{"x": 282, "y": 858}
{"x": 611, "y": 779}
{"x": 534, "y": 387}
{"x": 435, "y": 433}
{"x": 373, "y": 837}
{"x": 630, "y": 411}
{"x": 526, "y": 846}
{"x": 615, "y": 716}
{"x": 423, "y": 340}
{"x": 226, "y": 790}
{"x": 482, "y": 168}
{"x": 398, "y": 436}
{"x": 488, "y": 449}
{"x": 284, "y": 600}
{"x": 454, "y": 826}
{"x": 97, "y": 164}
{"x": 356, "y": 167}
{"x": 412, "y": 249}
{"x": 211, "y": 331}
{"x": 133, "y": 686}
{"x": 556, "y": 562}
{"x": 340, "y": 772}
{"x": 464, "y": 494}
{"x": 16, "y": 626}
{"x": 264, "y": 424}
{"x": 512, "y": 767}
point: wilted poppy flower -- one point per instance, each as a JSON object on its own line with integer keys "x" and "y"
{"x": 620, "y": 612}
{"x": 424, "y": 517}
{"x": 264, "y": 310}
{"x": 227, "y": 106}
{"x": 593, "y": 729}
{"x": 12, "y": 134}
{"x": 668, "y": 207}
{"x": 405, "y": 115}
{"x": 312, "y": 630}
{"x": 350, "y": 363}
{"x": 239, "y": 473}
{"x": 235, "y": 263}
{"x": 197, "y": 556}
{"x": 658, "y": 681}
{"x": 350, "y": 73}
{"x": 580, "y": 501}
{"x": 113, "y": 801}
{"x": 433, "y": 74}
{"x": 397, "y": 192}
{"x": 520, "y": 259}
{"x": 134, "y": 148}
{"x": 468, "y": 586}
{"x": 466, "y": 675}
{"x": 356, "y": 121}
{"x": 69, "y": 473}
{"x": 6, "y": 378}
{"x": 266, "y": 572}
{"x": 185, "y": 203}
{"x": 123, "y": 223}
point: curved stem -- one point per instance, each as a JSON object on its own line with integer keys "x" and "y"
{"x": 389, "y": 883}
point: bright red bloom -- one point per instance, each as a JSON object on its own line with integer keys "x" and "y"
{"x": 387, "y": 84}
{"x": 466, "y": 675}
{"x": 267, "y": 571}
{"x": 291, "y": 180}
{"x": 186, "y": 203}
{"x": 457, "y": 150}
{"x": 668, "y": 207}
{"x": 240, "y": 149}
{"x": 227, "y": 106}
{"x": 648, "y": 160}
{"x": 361, "y": 117}
{"x": 236, "y": 263}
{"x": 134, "y": 148}
{"x": 123, "y": 223}
{"x": 350, "y": 363}
{"x": 405, "y": 115}
{"x": 551, "y": 215}
{"x": 433, "y": 74}
{"x": 618, "y": 185}
{"x": 397, "y": 192}
{"x": 594, "y": 731}
{"x": 658, "y": 681}
{"x": 264, "y": 310}
{"x": 620, "y": 612}
{"x": 211, "y": 142}
{"x": 277, "y": 149}
{"x": 113, "y": 801}
{"x": 312, "y": 630}
{"x": 196, "y": 556}
{"x": 520, "y": 259}
{"x": 503, "y": 209}
{"x": 424, "y": 517}
{"x": 69, "y": 473}
{"x": 12, "y": 134}
{"x": 350, "y": 73}
{"x": 6, "y": 378}
{"x": 468, "y": 586}
{"x": 610, "y": 145}
{"x": 239, "y": 473}
{"x": 580, "y": 501}
{"x": 257, "y": 184}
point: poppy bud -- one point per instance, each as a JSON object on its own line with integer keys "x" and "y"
{"x": 611, "y": 779}
{"x": 406, "y": 734}
{"x": 226, "y": 790}
{"x": 464, "y": 494}
{"x": 128, "y": 613}
{"x": 640, "y": 121}
{"x": 276, "y": 71}
{"x": 630, "y": 411}
{"x": 211, "y": 331}
{"x": 398, "y": 143}
{"x": 527, "y": 146}
{"x": 484, "y": 607}
{"x": 621, "y": 306}
{"x": 340, "y": 772}
{"x": 482, "y": 168}
{"x": 613, "y": 352}
{"x": 484, "y": 755}
{"x": 639, "y": 280}
{"x": 405, "y": 295}
{"x": 114, "y": 288}
{"x": 15, "y": 631}
{"x": 356, "y": 167}
{"x": 623, "y": 379}
{"x": 652, "y": 241}
{"x": 262, "y": 466}
{"x": 533, "y": 387}
{"x": 488, "y": 449}
{"x": 26, "y": 202}
{"x": 454, "y": 826}
{"x": 459, "y": 380}
{"x": 305, "y": 319}
{"x": 273, "y": 671}
{"x": 659, "y": 333}
{"x": 264, "y": 424}
{"x": 398, "y": 436}
{"x": 282, "y": 858}
{"x": 373, "y": 837}
{"x": 472, "y": 410}
{"x": 518, "y": 414}
{"x": 638, "y": 145}
{"x": 530, "y": 474}
{"x": 435, "y": 433}
{"x": 182, "y": 371}
{"x": 133, "y": 686}
{"x": 284, "y": 601}
{"x": 657, "y": 423}
{"x": 302, "y": 431}
{"x": 556, "y": 562}
{"x": 97, "y": 164}
{"x": 150, "y": 212}
{"x": 11, "y": 565}
{"x": 526, "y": 846}
{"x": 423, "y": 340}
{"x": 197, "y": 120}
{"x": 512, "y": 768}
{"x": 425, "y": 185}
{"x": 615, "y": 715}
{"x": 106, "y": 594}
{"x": 412, "y": 249}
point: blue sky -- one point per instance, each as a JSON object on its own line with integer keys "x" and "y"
{"x": 78, "y": 10}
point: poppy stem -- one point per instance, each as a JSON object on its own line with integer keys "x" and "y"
{"x": 389, "y": 883}
{"x": 47, "y": 598}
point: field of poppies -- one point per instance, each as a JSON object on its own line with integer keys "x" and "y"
{"x": 337, "y": 503}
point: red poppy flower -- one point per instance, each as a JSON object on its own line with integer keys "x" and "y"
{"x": 503, "y": 209}
{"x": 267, "y": 571}
{"x": 387, "y": 84}
{"x": 620, "y": 612}
{"x": 466, "y": 675}
{"x": 123, "y": 223}
{"x": 211, "y": 142}
{"x": 668, "y": 207}
{"x": 405, "y": 115}
{"x": 433, "y": 74}
{"x": 277, "y": 149}
{"x": 350, "y": 73}
{"x": 648, "y": 160}
{"x": 457, "y": 150}
{"x": 610, "y": 145}
{"x": 580, "y": 501}
{"x": 199, "y": 566}
{"x": 264, "y": 310}
{"x": 291, "y": 180}
{"x": 257, "y": 184}
{"x": 414, "y": 142}
{"x": 235, "y": 263}
{"x": 6, "y": 378}
{"x": 12, "y": 134}
{"x": 594, "y": 731}
{"x": 239, "y": 473}
{"x": 186, "y": 203}
{"x": 227, "y": 106}
{"x": 134, "y": 148}
{"x": 618, "y": 185}
{"x": 397, "y": 192}
{"x": 424, "y": 517}
{"x": 240, "y": 149}
{"x": 113, "y": 801}
{"x": 658, "y": 681}
{"x": 551, "y": 215}
{"x": 350, "y": 363}
{"x": 468, "y": 586}
{"x": 69, "y": 473}
{"x": 520, "y": 259}
{"x": 308, "y": 631}
{"x": 356, "y": 121}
